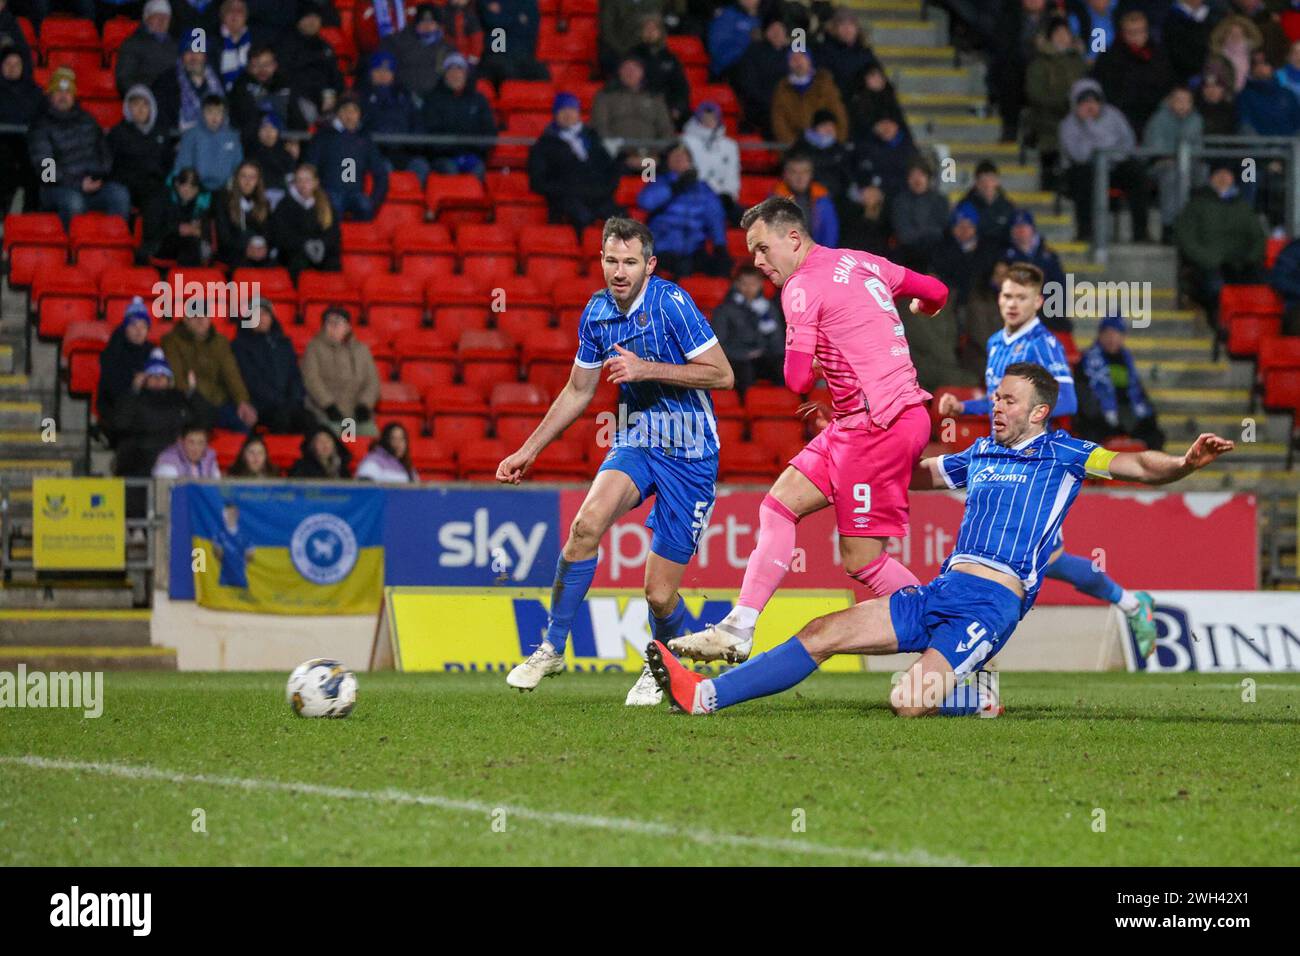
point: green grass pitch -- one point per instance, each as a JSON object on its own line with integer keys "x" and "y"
{"x": 437, "y": 769}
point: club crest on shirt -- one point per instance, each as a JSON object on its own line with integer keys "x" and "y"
{"x": 643, "y": 318}
{"x": 1029, "y": 452}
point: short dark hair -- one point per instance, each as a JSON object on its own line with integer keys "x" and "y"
{"x": 775, "y": 211}
{"x": 749, "y": 270}
{"x": 986, "y": 166}
{"x": 1026, "y": 274}
{"x": 214, "y": 99}
{"x": 618, "y": 227}
{"x": 1045, "y": 386}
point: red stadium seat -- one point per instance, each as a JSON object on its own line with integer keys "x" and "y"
{"x": 731, "y": 431}
{"x": 319, "y": 290}
{"x": 771, "y": 401}
{"x": 33, "y": 242}
{"x": 526, "y": 95}
{"x": 477, "y": 460}
{"x": 432, "y": 459}
{"x": 393, "y": 303}
{"x": 777, "y": 434}
{"x": 564, "y": 460}
{"x": 515, "y": 155}
{"x": 1275, "y": 245}
{"x": 708, "y": 292}
{"x": 457, "y": 303}
{"x": 746, "y": 463}
{"x": 754, "y": 189}
{"x": 117, "y": 287}
{"x": 62, "y": 296}
{"x": 548, "y": 241}
{"x": 517, "y": 398}
{"x": 721, "y": 94}
{"x": 366, "y": 250}
{"x": 116, "y": 32}
{"x": 273, "y": 285}
{"x": 391, "y": 215}
{"x": 1247, "y": 330}
{"x": 226, "y": 445}
{"x": 79, "y": 355}
{"x": 1279, "y": 371}
{"x": 522, "y": 307}
{"x": 486, "y": 251}
{"x": 515, "y": 429}
{"x": 427, "y": 357}
{"x": 1249, "y": 298}
{"x": 456, "y": 198}
{"x": 400, "y": 402}
{"x": 688, "y": 49}
{"x": 424, "y": 249}
{"x": 486, "y": 358}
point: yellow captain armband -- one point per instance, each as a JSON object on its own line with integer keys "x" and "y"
{"x": 1098, "y": 463}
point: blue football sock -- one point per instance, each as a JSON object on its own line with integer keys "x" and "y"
{"x": 1080, "y": 573}
{"x": 666, "y": 628}
{"x": 963, "y": 701}
{"x": 770, "y": 673}
{"x": 572, "y": 580}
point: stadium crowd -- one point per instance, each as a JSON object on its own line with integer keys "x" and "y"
{"x": 246, "y": 140}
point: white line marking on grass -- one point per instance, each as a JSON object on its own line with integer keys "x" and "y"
{"x": 580, "y": 820}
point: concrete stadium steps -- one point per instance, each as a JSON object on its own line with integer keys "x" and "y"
{"x": 1272, "y": 431}
{"x": 8, "y": 359}
{"x": 1174, "y": 400}
{"x": 89, "y": 658}
{"x": 108, "y": 593}
{"x": 70, "y": 627}
{"x": 932, "y": 80}
{"x": 958, "y": 104}
{"x": 894, "y": 30}
{"x": 930, "y": 125}
{"x": 1193, "y": 373}
{"x": 22, "y": 416}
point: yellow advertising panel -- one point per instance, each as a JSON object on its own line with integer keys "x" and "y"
{"x": 79, "y": 523}
{"x": 460, "y": 630}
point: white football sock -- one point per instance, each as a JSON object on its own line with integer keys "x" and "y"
{"x": 1128, "y": 602}
{"x": 742, "y": 618}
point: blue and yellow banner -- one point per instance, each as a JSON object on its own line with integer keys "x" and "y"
{"x": 282, "y": 549}
{"x": 78, "y": 524}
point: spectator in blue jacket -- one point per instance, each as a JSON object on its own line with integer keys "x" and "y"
{"x": 1266, "y": 107}
{"x": 1112, "y": 401}
{"x": 389, "y": 108}
{"x": 212, "y": 148}
{"x": 812, "y": 197}
{"x": 454, "y": 107}
{"x": 1028, "y": 245}
{"x": 1284, "y": 277}
{"x": 685, "y": 216}
{"x": 344, "y": 155}
{"x": 730, "y": 34}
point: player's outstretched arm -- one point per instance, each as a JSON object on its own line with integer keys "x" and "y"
{"x": 928, "y": 475}
{"x": 564, "y": 411}
{"x": 1157, "y": 468}
{"x": 709, "y": 369}
{"x": 930, "y": 295}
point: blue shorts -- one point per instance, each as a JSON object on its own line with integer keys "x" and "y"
{"x": 684, "y": 491}
{"x": 965, "y": 618}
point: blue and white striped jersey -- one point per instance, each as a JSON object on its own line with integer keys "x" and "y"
{"x": 662, "y": 325}
{"x": 1032, "y": 342}
{"x": 1017, "y": 498}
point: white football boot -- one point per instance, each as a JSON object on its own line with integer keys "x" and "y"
{"x": 990, "y": 698}
{"x": 717, "y": 642}
{"x": 645, "y": 692}
{"x": 543, "y": 662}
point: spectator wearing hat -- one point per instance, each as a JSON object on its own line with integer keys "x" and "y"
{"x": 919, "y": 217}
{"x": 875, "y": 99}
{"x": 142, "y": 159}
{"x": 1112, "y": 401}
{"x": 212, "y": 148}
{"x": 1219, "y": 238}
{"x": 269, "y": 367}
{"x": 832, "y": 159}
{"x": 148, "y": 417}
{"x": 345, "y": 155}
{"x": 812, "y": 197}
{"x": 275, "y": 157}
{"x": 263, "y": 88}
{"x": 800, "y": 95}
{"x": 20, "y": 103}
{"x": 339, "y": 373}
{"x": 455, "y": 108}
{"x": 180, "y": 91}
{"x": 311, "y": 64}
{"x": 374, "y": 20}
{"x": 664, "y": 75}
{"x": 1215, "y": 102}
{"x": 964, "y": 258}
{"x": 305, "y": 225}
{"x": 758, "y": 72}
{"x": 845, "y": 53}
{"x": 1266, "y": 107}
{"x": 730, "y": 32}
{"x": 1135, "y": 74}
{"x": 626, "y": 110}
{"x": 463, "y": 29}
{"x": 183, "y": 231}
{"x": 1175, "y": 123}
{"x": 121, "y": 364}
{"x": 389, "y": 108}
{"x": 620, "y": 28}
{"x": 148, "y": 52}
{"x": 11, "y": 36}
{"x": 990, "y": 201}
{"x": 189, "y": 456}
{"x": 193, "y": 345}
{"x": 570, "y": 167}
{"x": 323, "y": 456}
{"x": 751, "y": 331}
{"x": 241, "y": 214}
{"x": 389, "y": 458}
{"x": 514, "y": 57}
{"x": 716, "y": 156}
{"x": 1028, "y": 245}
{"x": 1186, "y": 36}
{"x": 1094, "y": 124}
{"x": 686, "y": 219}
{"x": 419, "y": 50}
{"x": 71, "y": 155}
{"x": 1056, "y": 65}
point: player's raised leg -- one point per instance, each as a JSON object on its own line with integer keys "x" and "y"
{"x": 1137, "y": 606}
{"x": 792, "y": 497}
{"x": 611, "y": 496}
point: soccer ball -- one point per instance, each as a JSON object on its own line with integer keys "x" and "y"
{"x": 321, "y": 688}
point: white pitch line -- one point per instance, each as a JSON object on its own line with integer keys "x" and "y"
{"x": 581, "y": 820}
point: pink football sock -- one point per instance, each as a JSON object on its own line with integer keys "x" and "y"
{"x": 770, "y": 559}
{"x": 884, "y": 576}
